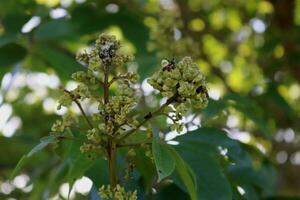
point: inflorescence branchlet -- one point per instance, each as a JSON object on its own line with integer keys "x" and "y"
{"x": 184, "y": 84}
{"x": 181, "y": 83}
{"x": 116, "y": 193}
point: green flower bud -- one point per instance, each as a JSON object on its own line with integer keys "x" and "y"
{"x": 83, "y": 57}
{"x": 117, "y": 193}
{"x": 93, "y": 135}
{"x": 58, "y": 126}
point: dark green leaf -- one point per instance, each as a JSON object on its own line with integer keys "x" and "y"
{"x": 146, "y": 168}
{"x": 147, "y": 65}
{"x": 219, "y": 138}
{"x": 7, "y": 38}
{"x": 13, "y": 22}
{"x": 44, "y": 142}
{"x": 185, "y": 173}
{"x": 11, "y": 54}
{"x": 164, "y": 162}
{"x": 63, "y": 63}
{"x": 55, "y": 29}
{"x": 214, "y": 108}
{"x": 22, "y": 162}
{"x": 79, "y": 165}
{"x": 203, "y": 159}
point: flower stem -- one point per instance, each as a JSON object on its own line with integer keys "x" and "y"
{"x": 80, "y": 108}
{"x": 147, "y": 117}
{"x": 111, "y": 148}
{"x": 135, "y": 144}
{"x": 112, "y": 163}
{"x": 106, "y": 86}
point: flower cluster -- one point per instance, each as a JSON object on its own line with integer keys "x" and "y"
{"x": 117, "y": 193}
{"x": 104, "y": 57}
{"x": 184, "y": 84}
{"x": 105, "y": 54}
{"x": 120, "y": 105}
{"x": 67, "y": 121}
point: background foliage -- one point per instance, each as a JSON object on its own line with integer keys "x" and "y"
{"x": 249, "y": 51}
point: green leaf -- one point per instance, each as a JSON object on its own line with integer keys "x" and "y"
{"x": 13, "y": 22}
{"x": 145, "y": 167}
{"x": 251, "y": 179}
{"x": 56, "y": 29}
{"x": 44, "y": 142}
{"x": 11, "y": 54}
{"x": 171, "y": 191}
{"x": 185, "y": 173}
{"x": 24, "y": 145}
{"x": 214, "y": 108}
{"x": 133, "y": 28}
{"x": 63, "y": 63}
{"x": 22, "y": 162}
{"x": 80, "y": 165}
{"x": 147, "y": 65}
{"x": 219, "y": 138}
{"x": 201, "y": 153}
{"x": 6, "y": 39}
{"x": 94, "y": 20}
{"x": 163, "y": 160}
{"x": 205, "y": 143}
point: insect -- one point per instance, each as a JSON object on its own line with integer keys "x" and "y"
{"x": 170, "y": 66}
{"x": 202, "y": 89}
{"x": 107, "y": 51}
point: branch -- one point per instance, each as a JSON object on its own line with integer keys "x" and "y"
{"x": 147, "y": 117}
{"x": 121, "y": 76}
{"x": 134, "y": 144}
{"x": 106, "y": 86}
{"x": 60, "y": 136}
{"x": 80, "y": 108}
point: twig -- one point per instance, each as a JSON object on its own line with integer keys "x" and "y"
{"x": 134, "y": 144}
{"x": 147, "y": 117}
{"x": 80, "y": 108}
{"x": 116, "y": 78}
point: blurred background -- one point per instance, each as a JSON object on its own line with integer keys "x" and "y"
{"x": 249, "y": 51}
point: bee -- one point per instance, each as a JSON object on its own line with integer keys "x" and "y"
{"x": 202, "y": 89}
{"x": 108, "y": 51}
{"x": 170, "y": 66}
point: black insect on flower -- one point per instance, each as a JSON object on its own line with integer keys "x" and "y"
{"x": 202, "y": 89}
{"x": 107, "y": 51}
{"x": 170, "y": 65}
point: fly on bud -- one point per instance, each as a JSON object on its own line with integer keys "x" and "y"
{"x": 168, "y": 64}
